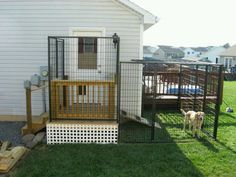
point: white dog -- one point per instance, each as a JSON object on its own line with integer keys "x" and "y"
{"x": 195, "y": 121}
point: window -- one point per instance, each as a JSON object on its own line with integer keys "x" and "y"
{"x": 87, "y": 53}
{"x": 89, "y": 45}
{"x": 82, "y": 90}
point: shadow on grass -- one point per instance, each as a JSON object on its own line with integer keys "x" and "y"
{"x": 171, "y": 131}
{"x": 226, "y": 147}
{"x": 122, "y": 160}
{"x": 226, "y": 131}
{"x": 166, "y": 137}
{"x": 229, "y": 115}
{"x": 205, "y": 142}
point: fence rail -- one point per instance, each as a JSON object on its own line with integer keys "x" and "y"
{"x": 83, "y": 99}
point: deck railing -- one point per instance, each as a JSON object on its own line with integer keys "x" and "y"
{"x": 167, "y": 83}
{"x": 163, "y": 81}
{"x": 82, "y": 99}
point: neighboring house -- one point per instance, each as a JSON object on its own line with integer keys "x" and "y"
{"x": 168, "y": 52}
{"x": 228, "y": 58}
{"x": 199, "y": 51}
{"x": 26, "y": 25}
{"x": 148, "y": 52}
{"x": 213, "y": 55}
{"x": 194, "y": 51}
{"x": 189, "y": 52}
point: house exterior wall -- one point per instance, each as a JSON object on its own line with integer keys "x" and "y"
{"x": 188, "y": 52}
{"x": 213, "y": 53}
{"x": 228, "y": 62}
{"x": 26, "y": 25}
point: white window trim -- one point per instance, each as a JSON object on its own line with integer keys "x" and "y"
{"x": 72, "y": 30}
{"x": 94, "y": 72}
{"x": 87, "y": 29}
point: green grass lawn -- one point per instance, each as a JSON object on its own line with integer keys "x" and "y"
{"x": 204, "y": 157}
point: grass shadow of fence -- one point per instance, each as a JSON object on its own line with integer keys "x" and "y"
{"x": 166, "y": 140}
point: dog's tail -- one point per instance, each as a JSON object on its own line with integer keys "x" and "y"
{"x": 183, "y": 112}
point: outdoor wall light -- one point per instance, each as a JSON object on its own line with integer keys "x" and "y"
{"x": 115, "y": 39}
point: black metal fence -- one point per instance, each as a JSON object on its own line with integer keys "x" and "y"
{"x": 87, "y": 82}
{"x": 82, "y": 77}
{"x": 153, "y": 92}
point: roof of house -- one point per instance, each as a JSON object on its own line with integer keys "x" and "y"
{"x": 230, "y": 52}
{"x": 146, "y": 50}
{"x": 226, "y": 46}
{"x": 149, "y": 18}
{"x": 200, "y": 49}
{"x": 187, "y": 49}
{"x": 170, "y": 49}
{"x": 149, "y": 49}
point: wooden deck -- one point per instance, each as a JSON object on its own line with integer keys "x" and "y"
{"x": 162, "y": 86}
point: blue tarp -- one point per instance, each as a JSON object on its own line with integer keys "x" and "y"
{"x": 185, "y": 90}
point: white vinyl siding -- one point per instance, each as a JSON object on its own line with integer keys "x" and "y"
{"x": 25, "y": 26}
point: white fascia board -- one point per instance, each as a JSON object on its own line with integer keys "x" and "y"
{"x": 148, "y": 18}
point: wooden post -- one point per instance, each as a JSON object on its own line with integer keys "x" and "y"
{"x": 28, "y": 109}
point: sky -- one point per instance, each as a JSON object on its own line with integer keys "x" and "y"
{"x": 191, "y": 22}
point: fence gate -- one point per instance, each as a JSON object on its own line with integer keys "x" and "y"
{"x": 82, "y": 77}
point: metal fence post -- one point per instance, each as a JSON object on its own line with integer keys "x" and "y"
{"x": 180, "y": 84}
{"x": 56, "y": 58}
{"x": 154, "y": 105}
{"x": 118, "y": 78}
{"x": 217, "y": 106}
{"x": 205, "y": 89}
{"x": 63, "y": 59}
{"x": 49, "y": 80}
{"x": 195, "y": 92}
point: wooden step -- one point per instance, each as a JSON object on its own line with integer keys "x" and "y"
{"x": 38, "y": 123}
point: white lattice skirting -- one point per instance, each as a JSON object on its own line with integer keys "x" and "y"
{"x": 59, "y": 133}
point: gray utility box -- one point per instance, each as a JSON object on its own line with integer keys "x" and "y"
{"x": 35, "y": 80}
{"x": 27, "y": 84}
{"x": 44, "y": 73}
